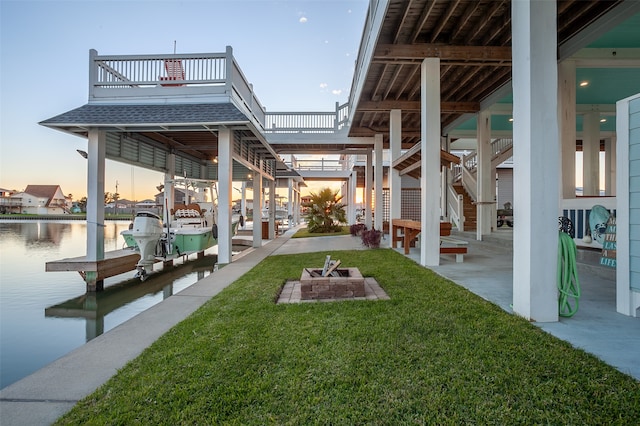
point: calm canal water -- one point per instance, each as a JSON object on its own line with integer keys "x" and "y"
{"x": 45, "y": 315}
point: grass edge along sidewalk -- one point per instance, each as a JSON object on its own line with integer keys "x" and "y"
{"x": 433, "y": 354}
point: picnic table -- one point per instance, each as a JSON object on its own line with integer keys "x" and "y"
{"x": 406, "y": 231}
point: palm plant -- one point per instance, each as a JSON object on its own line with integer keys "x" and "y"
{"x": 325, "y": 212}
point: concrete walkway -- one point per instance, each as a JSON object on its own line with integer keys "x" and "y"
{"x": 42, "y": 397}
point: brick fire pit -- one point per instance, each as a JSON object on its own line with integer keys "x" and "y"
{"x": 348, "y": 284}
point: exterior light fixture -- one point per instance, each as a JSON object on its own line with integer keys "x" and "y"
{"x": 603, "y": 120}
{"x": 511, "y": 119}
{"x": 584, "y": 83}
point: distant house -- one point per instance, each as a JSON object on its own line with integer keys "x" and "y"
{"x": 41, "y": 199}
{"x": 8, "y": 204}
{"x": 180, "y": 197}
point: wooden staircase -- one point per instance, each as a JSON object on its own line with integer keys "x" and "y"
{"x": 470, "y": 213}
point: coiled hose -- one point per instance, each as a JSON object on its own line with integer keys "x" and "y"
{"x": 568, "y": 285}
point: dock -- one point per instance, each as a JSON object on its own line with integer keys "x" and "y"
{"x": 94, "y": 272}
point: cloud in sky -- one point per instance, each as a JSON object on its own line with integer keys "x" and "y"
{"x": 336, "y": 91}
{"x": 323, "y": 85}
{"x": 303, "y": 19}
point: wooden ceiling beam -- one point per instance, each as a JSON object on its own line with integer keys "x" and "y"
{"x": 382, "y": 106}
{"x": 391, "y": 52}
{"x": 471, "y": 8}
{"x": 453, "y": 5}
{"x": 426, "y": 12}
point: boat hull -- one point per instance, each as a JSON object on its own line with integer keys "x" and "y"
{"x": 192, "y": 240}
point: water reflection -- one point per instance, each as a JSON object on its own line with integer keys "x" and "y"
{"x": 95, "y": 306}
{"x": 30, "y": 340}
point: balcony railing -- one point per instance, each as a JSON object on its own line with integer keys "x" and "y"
{"x": 307, "y": 122}
{"x": 205, "y": 76}
{"x": 201, "y": 75}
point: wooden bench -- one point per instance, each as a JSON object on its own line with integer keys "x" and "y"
{"x": 450, "y": 245}
{"x": 406, "y": 231}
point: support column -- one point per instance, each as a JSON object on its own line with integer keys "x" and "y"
{"x": 430, "y": 162}
{"x": 272, "y": 209}
{"x": 591, "y": 154}
{"x": 353, "y": 194}
{"x": 610, "y": 166}
{"x": 225, "y": 178}
{"x": 169, "y": 188}
{"x": 536, "y": 170}
{"x": 96, "y": 153}
{"x": 486, "y": 183}
{"x": 257, "y": 209}
{"x": 290, "y": 203}
{"x": 395, "y": 181}
{"x": 378, "y": 170}
{"x": 243, "y": 203}
{"x": 567, "y": 123}
{"x": 368, "y": 183}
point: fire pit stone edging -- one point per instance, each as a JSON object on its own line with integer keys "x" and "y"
{"x": 330, "y": 287}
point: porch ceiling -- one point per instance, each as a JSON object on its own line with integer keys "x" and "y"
{"x": 472, "y": 38}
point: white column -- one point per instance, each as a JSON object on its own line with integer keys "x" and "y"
{"x": 353, "y": 185}
{"x": 395, "y": 182}
{"x": 225, "y": 178}
{"x": 257, "y": 209}
{"x": 567, "y": 123}
{"x": 290, "y": 203}
{"x": 368, "y": 183}
{"x": 298, "y": 205}
{"x": 379, "y": 203}
{"x": 591, "y": 153}
{"x": 535, "y": 157}
{"x": 96, "y": 152}
{"x": 486, "y": 183}
{"x": 610, "y": 166}
{"x": 169, "y": 188}
{"x": 430, "y": 162}
{"x": 243, "y": 203}
{"x": 272, "y": 209}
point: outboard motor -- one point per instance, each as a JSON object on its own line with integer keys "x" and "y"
{"x": 147, "y": 231}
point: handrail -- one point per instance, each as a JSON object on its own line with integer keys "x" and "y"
{"x": 149, "y": 70}
{"x": 322, "y": 164}
{"x": 469, "y": 183}
{"x": 307, "y": 122}
{"x": 455, "y": 208}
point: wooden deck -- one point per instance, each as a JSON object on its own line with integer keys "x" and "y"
{"x": 95, "y": 271}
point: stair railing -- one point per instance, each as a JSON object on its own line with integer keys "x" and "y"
{"x": 455, "y": 208}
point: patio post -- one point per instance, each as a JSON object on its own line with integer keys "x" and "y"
{"x": 395, "y": 181}
{"x": 535, "y": 157}
{"x": 430, "y": 161}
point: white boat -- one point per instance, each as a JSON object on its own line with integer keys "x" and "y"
{"x": 187, "y": 229}
{"x": 144, "y": 233}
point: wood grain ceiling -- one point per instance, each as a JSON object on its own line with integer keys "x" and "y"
{"x": 472, "y": 38}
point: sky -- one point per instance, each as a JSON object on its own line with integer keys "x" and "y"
{"x": 299, "y": 56}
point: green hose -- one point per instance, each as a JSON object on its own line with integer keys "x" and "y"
{"x": 568, "y": 285}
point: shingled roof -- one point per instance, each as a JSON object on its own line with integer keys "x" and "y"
{"x": 96, "y": 115}
{"x": 42, "y": 191}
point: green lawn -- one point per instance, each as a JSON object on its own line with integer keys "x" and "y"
{"x": 304, "y": 233}
{"x": 433, "y": 354}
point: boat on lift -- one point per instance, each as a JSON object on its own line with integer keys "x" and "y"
{"x": 188, "y": 229}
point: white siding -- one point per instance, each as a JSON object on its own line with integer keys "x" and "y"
{"x": 634, "y": 193}
{"x": 505, "y": 187}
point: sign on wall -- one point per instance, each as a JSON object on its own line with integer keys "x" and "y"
{"x": 609, "y": 244}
